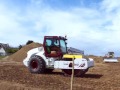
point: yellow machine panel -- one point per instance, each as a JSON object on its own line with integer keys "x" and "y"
{"x": 72, "y": 56}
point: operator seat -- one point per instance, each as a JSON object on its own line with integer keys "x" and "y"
{"x": 50, "y": 50}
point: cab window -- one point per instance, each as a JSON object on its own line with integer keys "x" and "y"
{"x": 48, "y": 42}
{"x": 56, "y": 42}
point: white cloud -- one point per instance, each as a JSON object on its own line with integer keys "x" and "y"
{"x": 110, "y": 5}
{"x": 94, "y": 30}
{"x": 12, "y": 28}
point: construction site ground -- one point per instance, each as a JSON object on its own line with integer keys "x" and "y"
{"x": 15, "y": 76}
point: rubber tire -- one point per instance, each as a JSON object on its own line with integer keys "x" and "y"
{"x": 36, "y": 65}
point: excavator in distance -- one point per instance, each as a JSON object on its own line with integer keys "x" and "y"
{"x": 54, "y": 55}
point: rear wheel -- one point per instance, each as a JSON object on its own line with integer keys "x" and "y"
{"x": 36, "y": 64}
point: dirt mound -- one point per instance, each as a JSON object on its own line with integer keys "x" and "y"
{"x": 97, "y": 59}
{"x": 119, "y": 59}
{"x": 22, "y": 53}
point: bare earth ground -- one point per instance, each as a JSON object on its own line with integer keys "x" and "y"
{"x": 15, "y": 76}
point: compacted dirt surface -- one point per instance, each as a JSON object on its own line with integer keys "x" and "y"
{"x": 15, "y": 76}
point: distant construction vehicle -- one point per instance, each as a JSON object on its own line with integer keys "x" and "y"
{"x": 110, "y": 57}
{"x": 54, "y": 55}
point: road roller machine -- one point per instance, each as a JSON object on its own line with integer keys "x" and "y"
{"x": 53, "y": 54}
{"x": 110, "y": 57}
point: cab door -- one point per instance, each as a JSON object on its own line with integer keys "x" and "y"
{"x": 51, "y": 46}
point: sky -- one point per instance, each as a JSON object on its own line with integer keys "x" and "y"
{"x": 90, "y": 25}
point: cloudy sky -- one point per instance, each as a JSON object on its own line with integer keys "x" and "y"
{"x": 90, "y": 25}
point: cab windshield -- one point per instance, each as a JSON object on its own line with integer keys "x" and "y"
{"x": 55, "y": 46}
{"x": 63, "y": 46}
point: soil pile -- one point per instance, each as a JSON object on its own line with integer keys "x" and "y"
{"x": 22, "y": 53}
{"x": 97, "y": 59}
{"x": 119, "y": 59}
